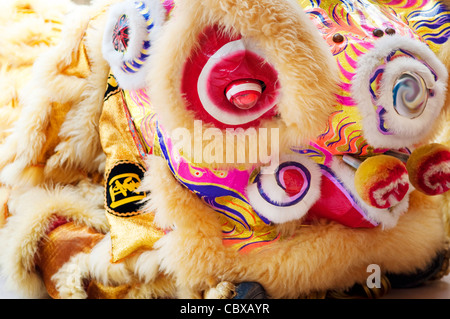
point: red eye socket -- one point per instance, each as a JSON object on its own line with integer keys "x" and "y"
{"x": 228, "y": 83}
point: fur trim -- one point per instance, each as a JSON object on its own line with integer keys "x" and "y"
{"x": 405, "y": 131}
{"x": 4, "y": 195}
{"x": 273, "y": 204}
{"x": 69, "y": 278}
{"x": 32, "y": 211}
{"x": 146, "y": 267}
{"x": 80, "y": 144}
{"x": 443, "y": 131}
{"x": 28, "y": 29}
{"x": 142, "y": 269}
{"x": 163, "y": 206}
{"x": 162, "y": 287}
{"x": 101, "y": 268}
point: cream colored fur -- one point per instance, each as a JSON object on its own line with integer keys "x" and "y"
{"x": 78, "y": 145}
{"x": 192, "y": 259}
{"x": 95, "y": 265}
{"x": 28, "y": 29}
{"x": 317, "y": 258}
{"x": 32, "y": 210}
{"x": 31, "y": 36}
{"x": 140, "y": 271}
{"x": 443, "y": 130}
{"x": 69, "y": 279}
{"x": 29, "y": 137}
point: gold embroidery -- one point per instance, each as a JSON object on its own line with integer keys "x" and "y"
{"x": 124, "y": 184}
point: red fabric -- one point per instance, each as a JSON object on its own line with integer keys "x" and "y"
{"x": 294, "y": 181}
{"x": 336, "y": 204}
{"x": 56, "y": 222}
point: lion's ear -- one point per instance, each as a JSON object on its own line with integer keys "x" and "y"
{"x": 131, "y": 28}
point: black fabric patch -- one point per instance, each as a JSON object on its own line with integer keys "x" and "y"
{"x": 121, "y": 184}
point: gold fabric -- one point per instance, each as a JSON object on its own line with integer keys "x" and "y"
{"x": 144, "y": 117}
{"x": 4, "y": 211}
{"x": 80, "y": 66}
{"x": 97, "y": 290}
{"x": 61, "y": 244}
{"x": 52, "y": 139}
{"x": 130, "y": 234}
{"x": 115, "y": 135}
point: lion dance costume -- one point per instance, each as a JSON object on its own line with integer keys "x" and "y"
{"x": 135, "y": 147}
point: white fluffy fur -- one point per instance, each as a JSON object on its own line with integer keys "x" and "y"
{"x": 146, "y": 266}
{"x": 101, "y": 268}
{"x": 142, "y": 268}
{"x": 406, "y": 131}
{"x": 278, "y": 214}
{"x": 137, "y": 34}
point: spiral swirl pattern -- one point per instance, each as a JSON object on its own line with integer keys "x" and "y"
{"x": 410, "y": 95}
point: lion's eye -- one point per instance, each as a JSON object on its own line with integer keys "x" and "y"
{"x": 410, "y": 95}
{"x": 227, "y": 81}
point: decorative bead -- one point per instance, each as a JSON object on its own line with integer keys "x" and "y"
{"x": 378, "y": 33}
{"x": 390, "y": 31}
{"x": 338, "y": 38}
